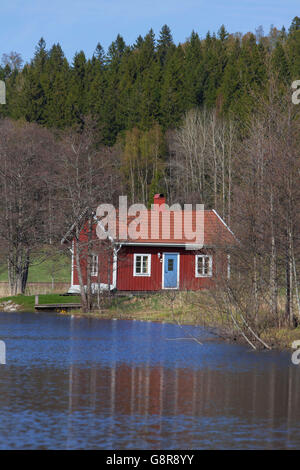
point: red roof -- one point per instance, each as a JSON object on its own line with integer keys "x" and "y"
{"x": 164, "y": 227}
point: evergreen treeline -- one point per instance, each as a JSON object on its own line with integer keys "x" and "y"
{"x": 153, "y": 82}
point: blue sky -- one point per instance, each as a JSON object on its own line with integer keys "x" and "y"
{"x": 80, "y": 24}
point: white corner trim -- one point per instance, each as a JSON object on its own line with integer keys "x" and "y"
{"x": 115, "y": 266}
{"x": 74, "y": 289}
{"x": 72, "y": 263}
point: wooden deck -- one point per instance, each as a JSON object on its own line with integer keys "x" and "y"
{"x": 57, "y": 307}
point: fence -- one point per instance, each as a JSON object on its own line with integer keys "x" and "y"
{"x": 37, "y": 288}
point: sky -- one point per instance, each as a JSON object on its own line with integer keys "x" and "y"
{"x": 81, "y": 24}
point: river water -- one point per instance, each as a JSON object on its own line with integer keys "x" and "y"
{"x": 76, "y": 383}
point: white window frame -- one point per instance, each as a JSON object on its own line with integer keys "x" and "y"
{"x": 210, "y": 265}
{"x": 148, "y": 255}
{"x": 94, "y": 267}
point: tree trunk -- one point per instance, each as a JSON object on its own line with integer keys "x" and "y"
{"x": 78, "y": 265}
{"x": 289, "y": 282}
{"x": 89, "y": 265}
{"x": 273, "y": 267}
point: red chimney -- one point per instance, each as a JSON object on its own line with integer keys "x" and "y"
{"x": 159, "y": 201}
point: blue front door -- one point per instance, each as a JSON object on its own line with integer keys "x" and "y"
{"x": 170, "y": 270}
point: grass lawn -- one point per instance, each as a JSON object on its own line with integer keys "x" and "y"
{"x": 155, "y": 307}
{"x": 58, "y": 267}
{"x": 27, "y": 301}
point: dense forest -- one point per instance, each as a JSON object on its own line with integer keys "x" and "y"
{"x": 153, "y": 82}
{"x": 210, "y": 120}
{"x": 137, "y": 95}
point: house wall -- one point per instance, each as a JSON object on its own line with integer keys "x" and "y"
{"x": 127, "y": 281}
{"x": 105, "y": 261}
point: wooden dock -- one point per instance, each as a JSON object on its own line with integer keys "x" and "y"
{"x": 55, "y": 307}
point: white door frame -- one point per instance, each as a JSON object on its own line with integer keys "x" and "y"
{"x": 163, "y": 270}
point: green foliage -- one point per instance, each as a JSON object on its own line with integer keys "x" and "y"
{"x": 172, "y": 90}
{"x": 153, "y": 81}
{"x": 142, "y": 163}
{"x": 295, "y": 26}
{"x": 27, "y": 302}
{"x": 164, "y": 44}
{"x": 56, "y": 268}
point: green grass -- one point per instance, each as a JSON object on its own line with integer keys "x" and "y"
{"x": 41, "y": 270}
{"x": 27, "y": 301}
{"x": 158, "y": 307}
{"x": 281, "y": 338}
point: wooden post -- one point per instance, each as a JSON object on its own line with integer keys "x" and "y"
{"x": 36, "y": 300}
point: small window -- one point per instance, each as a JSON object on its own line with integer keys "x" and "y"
{"x": 142, "y": 265}
{"x": 170, "y": 264}
{"x": 203, "y": 266}
{"x": 94, "y": 270}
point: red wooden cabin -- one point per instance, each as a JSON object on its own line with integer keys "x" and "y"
{"x": 150, "y": 263}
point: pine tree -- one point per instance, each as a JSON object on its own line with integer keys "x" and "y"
{"x": 35, "y": 78}
{"x": 116, "y": 51}
{"x": 129, "y": 92}
{"x": 222, "y": 33}
{"x": 139, "y": 42}
{"x": 293, "y": 48}
{"x": 231, "y": 88}
{"x": 214, "y": 63}
{"x": 34, "y": 98}
{"x": 164, "y": 44}
{"x": 96, "y": 72}
{"x": 295, "y": 26}
{"x": 193, "y": 70}
{"x": 56, "y": 85}
{"x": 148, "y": 82}
{"x": 76, "y": 101}
{"x": 280, "y": 64}
{"x": 41, "y": 55}
{"x": 173, "y": 103}
{"x": 99, "y": 54}
{"x": 110, "y": 123}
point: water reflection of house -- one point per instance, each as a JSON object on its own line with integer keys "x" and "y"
{"x": 157, "y": 390}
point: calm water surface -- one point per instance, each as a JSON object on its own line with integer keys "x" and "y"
{"x": 72, "y": 383}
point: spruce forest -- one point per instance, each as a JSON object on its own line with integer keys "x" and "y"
{"x": 151, "y": 83}
{"x": 209, "y": 120}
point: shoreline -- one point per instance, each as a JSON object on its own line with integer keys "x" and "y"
{"x": 283, "y": 343}
{"x": 181, "y": 310}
